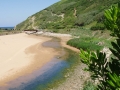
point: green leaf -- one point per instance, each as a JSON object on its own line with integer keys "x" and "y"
{"x": 115, "y": 12}
{"x": 118, "y": 42}
{"x": 108, "y": 15}
{"x": 114, "y": 52}
{"x": 113, "y": 79}
{"x": 115, "y": 46}
{"x": 111, "y": 83}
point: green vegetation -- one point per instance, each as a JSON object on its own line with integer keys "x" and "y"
{"x": 69, "y": 14}
{"x": 87, "y": 39}
{"x": 103, "y": 69}
{"x": 98, "y": 26}
{"x": 89, "y": 86}
{"x": 85, "y": 43}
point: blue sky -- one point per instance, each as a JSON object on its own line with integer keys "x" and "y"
{"x": 12, "y": 12}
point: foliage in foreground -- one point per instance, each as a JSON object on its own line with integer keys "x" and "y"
{"x": 105, "y": 70}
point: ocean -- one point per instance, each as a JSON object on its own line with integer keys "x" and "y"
{"x": 7, "y": 28}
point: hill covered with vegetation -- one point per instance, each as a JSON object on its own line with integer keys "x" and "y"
{"x": 69, "y": 14}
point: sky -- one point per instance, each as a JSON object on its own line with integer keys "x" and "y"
{"x": 12, "y": 12}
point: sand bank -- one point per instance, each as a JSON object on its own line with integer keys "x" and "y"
{"x": 21, "y": 54}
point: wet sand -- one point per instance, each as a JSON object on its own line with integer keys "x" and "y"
{"x": 20, "y": 54}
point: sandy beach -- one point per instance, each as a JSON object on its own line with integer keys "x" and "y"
{"x": 21, "y": 54}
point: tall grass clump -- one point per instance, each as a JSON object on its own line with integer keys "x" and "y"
{"x": 85, "y": 43}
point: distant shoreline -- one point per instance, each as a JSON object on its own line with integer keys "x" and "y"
{"x": 7, "y": 28}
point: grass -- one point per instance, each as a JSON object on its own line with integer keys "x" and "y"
{"x": 88, "y": 39}
{"x": 85, "y": 43}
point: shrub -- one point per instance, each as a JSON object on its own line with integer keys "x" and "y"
{"x": 105, "y": 70}
{"x": 98, "y": 26}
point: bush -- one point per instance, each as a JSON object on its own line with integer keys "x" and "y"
{"x": 103, "y": 69}
{"x": 98, "y": 26}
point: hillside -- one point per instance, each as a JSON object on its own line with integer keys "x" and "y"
{"x": 68, "y": 14}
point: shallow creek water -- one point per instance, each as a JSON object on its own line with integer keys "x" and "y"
{"x": 44, "y": 75}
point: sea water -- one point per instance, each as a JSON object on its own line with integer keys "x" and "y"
{"x": 7, "y": 28}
